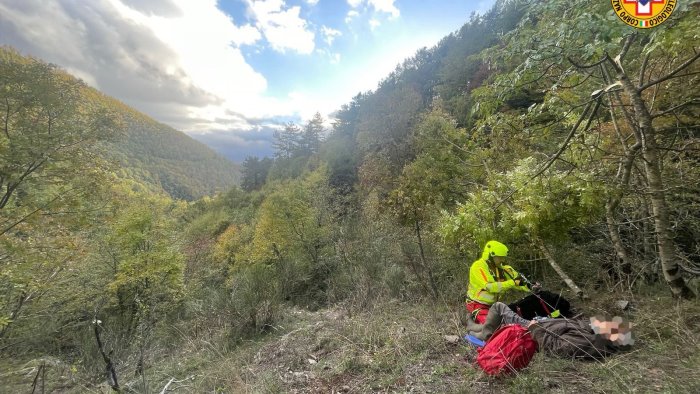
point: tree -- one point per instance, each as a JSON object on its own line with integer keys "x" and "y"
{"x": 434, "y": 181}
{"x": 51, "y": 176}
{"x": 255, "y": 172}
{"x": 48, "y": 132}
{"x": 293, "y": 231}
{"x": 287, "y": 141}
{"x": 647, "y": 140}
{"x": 312, "y": 135}
{"x": 581, "y": 78}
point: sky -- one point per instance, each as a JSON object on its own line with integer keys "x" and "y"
{"x": 230, "y": 72}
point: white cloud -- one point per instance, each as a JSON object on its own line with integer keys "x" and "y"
{"x": 84, "y": 75}
{"x": 179, "y": 61}
{"x": 380, "y": 64}
{"x": 386, "y": 6}
{"x": 375, "y": 10}
{"x": 310, "y": 104}
{"x": 335, "y": 59}
{"x": 330, "y": 34}
{"x": 380, "y": 6}
{"x": 206, "y": 42}
{"x": 312, "y": 2}
{"x": 351, "y": 15}
{"x": 283, "y": 28}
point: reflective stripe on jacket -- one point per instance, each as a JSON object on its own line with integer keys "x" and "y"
{"x": 485, "y": 288}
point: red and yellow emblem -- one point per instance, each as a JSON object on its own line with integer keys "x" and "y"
{"x": 644, "y": 14}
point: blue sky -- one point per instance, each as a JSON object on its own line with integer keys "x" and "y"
{"x": 230, "y": 72}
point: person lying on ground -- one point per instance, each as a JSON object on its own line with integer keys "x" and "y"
{"x": 589, "y": 339}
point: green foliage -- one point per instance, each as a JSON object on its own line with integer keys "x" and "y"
{"x": 149, "y": 266}
{"x": 293, "y": 230}
{"x": 48, "y": 136}
{"x": 439, "y": 175}
{"x": 255, "y": 173}
{"x": 255, "y": 299}
{"x": 515, "y": 206}
{"x": 170, "y": 160}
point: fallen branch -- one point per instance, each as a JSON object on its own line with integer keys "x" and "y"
{"x": 42, "y": 368}
{"x": 165, "y": 389}
{"x": 109, "y": 368}
{"x": 172, "y": 380}
{"x": 559, "y": 271}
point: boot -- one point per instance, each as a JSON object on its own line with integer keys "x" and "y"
{"x": 493, "y": 320}
{"x": 473, "y": 325}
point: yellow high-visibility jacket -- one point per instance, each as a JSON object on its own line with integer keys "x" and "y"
{"x": 486, "y": 286}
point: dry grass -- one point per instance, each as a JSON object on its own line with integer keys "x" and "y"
{"x": 399, "y": 347}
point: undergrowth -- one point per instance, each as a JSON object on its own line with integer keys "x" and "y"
{"x": 394, "y": 347}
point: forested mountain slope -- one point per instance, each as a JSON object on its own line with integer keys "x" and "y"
{"x": 153, "y": 153}
{"x": 157, "y": 154}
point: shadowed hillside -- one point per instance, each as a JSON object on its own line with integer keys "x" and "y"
{"x": 157, "y": 154}
{"x": 146, "y": 151}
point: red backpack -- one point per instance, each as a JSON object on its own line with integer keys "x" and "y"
{"x": 510, "y": 349}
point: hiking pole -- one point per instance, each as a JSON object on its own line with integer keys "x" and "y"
{"x": 554, "y": 311}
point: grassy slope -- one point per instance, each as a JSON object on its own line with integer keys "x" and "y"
{"x": 400, "y": 347}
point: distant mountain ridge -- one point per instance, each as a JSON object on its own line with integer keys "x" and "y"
{"x": 158, "y": 155}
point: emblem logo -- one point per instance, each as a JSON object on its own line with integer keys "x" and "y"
{"x": 643, "y": 14}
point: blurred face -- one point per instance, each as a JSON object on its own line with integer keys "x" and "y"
{"x": 499, "y": 260}
{"x": 616, "y": 330}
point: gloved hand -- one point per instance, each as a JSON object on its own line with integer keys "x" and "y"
{"x": 520, "y": 280}
{"x": 508, "y": 284}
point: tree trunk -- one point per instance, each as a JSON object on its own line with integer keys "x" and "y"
{"x": 667, "y": 248}
{"x": 623, "y": 175}
{"x": 560, "y": 271}
{"x": 664, "y": 239}
{"x": 431, "y": 277}
{"x": 109, "y": 365}
{"x": 624, "y": 266}
{"x": 613, "y": 203}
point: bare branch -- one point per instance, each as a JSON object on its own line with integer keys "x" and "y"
{"x": 165, "y": 389}
{"x": 643, "y": 69}
{"x": 670, "y": 75}
{"x": 109, "y": 367}
{"x": 584, "y": 80}
{"x": 625, "y": 48}
{"x": 570, "y": 136}
{"x": 25, "y": 217}
{"x": 582, "y": 66}
{"x": 551, "y": 160}
{"x": 542, "y": 75}
{"x": 679, "y": 106}
{"x": 12, "y": 186}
